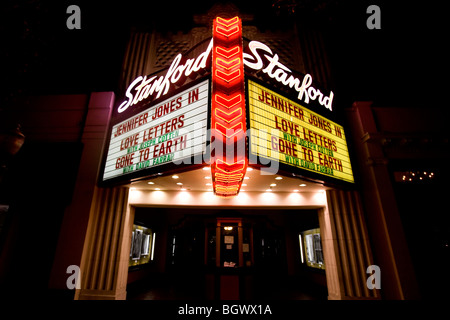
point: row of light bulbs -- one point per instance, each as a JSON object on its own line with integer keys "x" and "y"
{"x": 243, "y": 185}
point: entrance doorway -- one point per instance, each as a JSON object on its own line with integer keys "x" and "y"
{"x": 239, "y": 253}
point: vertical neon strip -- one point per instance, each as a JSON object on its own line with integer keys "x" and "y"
{"x": 228, "y": 125}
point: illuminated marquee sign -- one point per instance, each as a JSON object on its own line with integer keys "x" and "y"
{"x": 285, "y": 131}
{"x": 164, "y": 133}
{"x": 147, "y": 136}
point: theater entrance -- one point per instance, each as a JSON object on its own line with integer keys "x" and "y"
{"x": 229, "y": 254}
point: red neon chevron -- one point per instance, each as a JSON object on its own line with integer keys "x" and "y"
{"x": 225, "y": 130}
{"x": 230, "y": 167}
{"x": 228, "y": 53}
{"x": 228, "y": 64}
{"x": 228, "y": 117}
{"x": 227, "y": 27}
{"x": 228, "y": 103}
{"x": 228, "y": 76}
{"x": 227, "y": 22}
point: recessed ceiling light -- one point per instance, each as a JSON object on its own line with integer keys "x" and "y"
{"x": 157, "y": 189}
{"x": 244, "y": 184}
{"x": 302, "y": 185}
{"x": 205, "y": 168}
{"x": 249, "y": 169}
{"x": 269, "y": 190}
{"x": 247, "y": 178}
{"x": 151, "y": 182}
{"x": 209, "y": 184}
{"x": 278, "y": 178}
{"x": 273, "y": 184}
{"x": 175, "y": 177}
{"x": 295, "y": 190}
{"x": 179, "y": 183}
{"x": 183, "y": 189}
{"x": 207, "y": 177}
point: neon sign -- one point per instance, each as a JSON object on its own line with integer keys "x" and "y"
{"x": 228, "y": 107}
{"x": 283, "y": 74}
{"x": 142, "y": 88}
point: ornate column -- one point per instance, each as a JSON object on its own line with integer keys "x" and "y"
{"x": 104, "y": 264}
{"x": 346, "y": 247}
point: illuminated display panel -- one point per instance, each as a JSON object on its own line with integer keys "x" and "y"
{"x": 284, "y": 130}
{"x": 170, "y": 131}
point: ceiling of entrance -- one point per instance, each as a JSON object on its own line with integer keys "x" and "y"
{"x": 200, "y": 180}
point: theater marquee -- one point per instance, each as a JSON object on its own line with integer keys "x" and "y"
{"x": 162, "y": 121}
{"x": 167, "y": 132}
{"x": 285, "y": 131}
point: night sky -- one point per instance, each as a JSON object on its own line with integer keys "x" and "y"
{"x": 404, "y": 63}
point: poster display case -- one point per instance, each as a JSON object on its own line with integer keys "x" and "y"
{"x": 142, "y": 245}
{"x": 311, "y": 248}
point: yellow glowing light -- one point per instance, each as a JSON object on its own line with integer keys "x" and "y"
{"x": 279, "y": 178}
{"x": 302, "y": 185}
{"x": 175, "y": 177}
{"x": 288, "y": 132}
{"x": 273, "y": 184}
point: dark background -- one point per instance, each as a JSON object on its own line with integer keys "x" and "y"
{"x": 403, "y": 63}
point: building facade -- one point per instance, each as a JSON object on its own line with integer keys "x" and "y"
{"x": 164, "y": 234}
